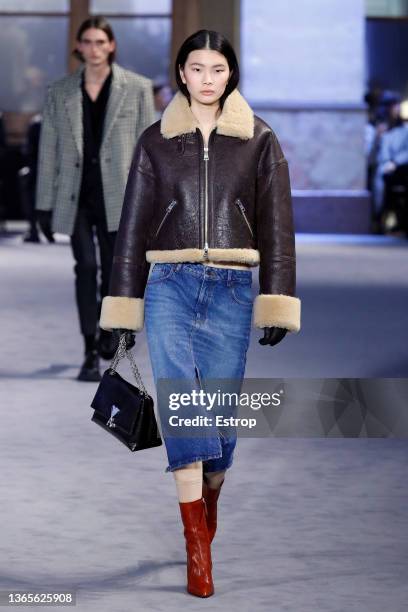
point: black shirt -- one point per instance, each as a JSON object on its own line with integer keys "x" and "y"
{"x": 91, "y": 195}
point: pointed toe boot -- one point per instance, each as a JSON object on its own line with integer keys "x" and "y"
{"x": 199, "y": 578}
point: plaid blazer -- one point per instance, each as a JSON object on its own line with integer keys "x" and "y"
{"x": 129, "y": 112}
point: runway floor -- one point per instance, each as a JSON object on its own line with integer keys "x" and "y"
{"x": 305, "y": 525}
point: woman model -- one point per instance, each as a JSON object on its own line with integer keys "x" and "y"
{"x": 208, "y": 197}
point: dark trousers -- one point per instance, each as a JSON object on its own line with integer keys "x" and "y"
{"x": 88, "y": 295}
{"x": 396, "y": 194}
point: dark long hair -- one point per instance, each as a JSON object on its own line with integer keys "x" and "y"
{"x": 100, "y": 23}
{"x": 208, "y": 39}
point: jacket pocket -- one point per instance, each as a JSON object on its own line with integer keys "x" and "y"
{"x": 166, "y": 214}
{"x": 241, "y": 208}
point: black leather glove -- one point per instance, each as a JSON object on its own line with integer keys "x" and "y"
{"x": 44, "y": 218}
{"x": 130, "y": 338}
{"x": 272, "y": 335}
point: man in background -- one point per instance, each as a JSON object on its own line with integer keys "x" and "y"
{"x": 91, "y": 122}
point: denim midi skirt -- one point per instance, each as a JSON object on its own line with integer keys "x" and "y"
{"x": 198, "y": 323}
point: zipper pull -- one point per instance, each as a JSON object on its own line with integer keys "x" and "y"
{"x": 206, "y": 156}
{"x": 166, "y": 214}
{"x": 243, "y": 212}
{"x": 206, "y": 251}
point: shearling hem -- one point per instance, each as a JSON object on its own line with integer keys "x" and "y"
{"x": 250, "y": 257}
{"x": 277, "y": 311}
{"x": 122, "y": 313}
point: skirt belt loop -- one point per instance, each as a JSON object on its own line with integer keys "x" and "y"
{"x": 230, "y": 281}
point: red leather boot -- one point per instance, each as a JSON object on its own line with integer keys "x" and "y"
{"x": 211, "y": 499}
{"x": 199, "y": 578}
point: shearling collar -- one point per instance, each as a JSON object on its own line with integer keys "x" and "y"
{"x": 236, "y": 119}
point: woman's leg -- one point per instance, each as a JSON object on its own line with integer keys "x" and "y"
{"x": 189, "y": 481}
{"x": 169, "y": 315}
{"x": 214, "y": 479}
{"x": 220, "y": 347}
{"x": 211, "y": 491}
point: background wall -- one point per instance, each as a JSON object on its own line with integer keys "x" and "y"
{"x": 303, "y": 71}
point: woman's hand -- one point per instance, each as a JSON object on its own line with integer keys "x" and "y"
{"x": 130, "y": 338}
{"x": 273, "y": 335}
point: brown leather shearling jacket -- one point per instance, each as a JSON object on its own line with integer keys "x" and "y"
{"x": 228, "y": 204}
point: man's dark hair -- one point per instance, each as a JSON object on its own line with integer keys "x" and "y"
{"x": 100, "y": 23}
{"x": 208, "y": 39}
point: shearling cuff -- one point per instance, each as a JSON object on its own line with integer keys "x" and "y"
{"x": 277, "y": 311}
{"x": 122, "y": 313}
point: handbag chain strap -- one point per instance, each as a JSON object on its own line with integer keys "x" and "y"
{"x": 123, "y": 352}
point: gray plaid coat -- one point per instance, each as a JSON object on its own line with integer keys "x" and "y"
{"x": 129, "y": 112}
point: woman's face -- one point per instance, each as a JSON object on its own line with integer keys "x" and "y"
{"x": 206, "y": 75}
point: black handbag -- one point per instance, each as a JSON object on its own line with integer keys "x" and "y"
{"x": 124, "y": 410}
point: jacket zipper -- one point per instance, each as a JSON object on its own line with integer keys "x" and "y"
{"x": 242, "y": 209}
{"x": 168, "y": 211}
{"x": 206, "y": 159}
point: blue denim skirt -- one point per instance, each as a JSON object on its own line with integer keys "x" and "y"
{"x": 198, "y": 323}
